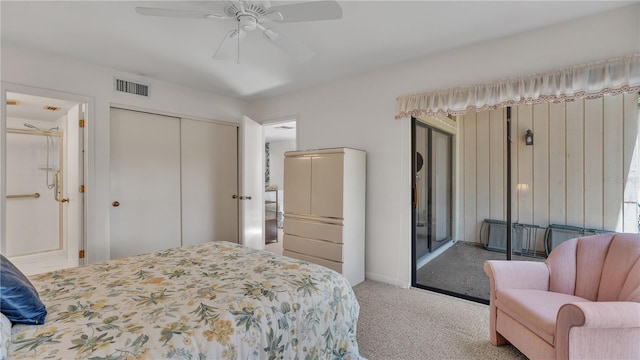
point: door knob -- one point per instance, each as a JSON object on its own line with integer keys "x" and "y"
{"x": 241, "y": 197}
{"x": 115, "y": 204}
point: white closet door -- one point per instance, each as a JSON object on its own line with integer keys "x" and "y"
{"x": 145, "y": 181}
{"x": 327, "y": 179}
{"x": 209, "y": 181}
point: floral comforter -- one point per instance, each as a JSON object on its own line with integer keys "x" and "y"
{"x": 209, "y": 301}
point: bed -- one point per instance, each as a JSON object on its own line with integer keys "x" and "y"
{"x": 208, "y": 301}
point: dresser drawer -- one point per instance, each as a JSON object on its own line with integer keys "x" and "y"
{"x": 314, "y": 230}
{"x": 335, "y": 266}
{"x": 317, "y": 248}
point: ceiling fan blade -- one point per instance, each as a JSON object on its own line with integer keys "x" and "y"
{"x": 291, "y": 47}
{"x": 177, "y": 13}
{"x": 229, "y": 46}
{"x": 307, "y": 11}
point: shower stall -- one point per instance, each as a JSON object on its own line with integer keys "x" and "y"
{"x": 44, "y": 160}
{"x": 35, "y": 183}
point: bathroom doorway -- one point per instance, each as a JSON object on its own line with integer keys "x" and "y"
{"x": 279, "y": 137}
{"x": 44, "y": 182}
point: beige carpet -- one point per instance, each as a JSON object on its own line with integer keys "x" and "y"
{"x": 403, "y": 324}
{"x": 398, "y": 323}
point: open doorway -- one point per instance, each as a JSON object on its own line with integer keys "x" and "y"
{"x": 44, "y": 182}
{"x": 279, "y": 137}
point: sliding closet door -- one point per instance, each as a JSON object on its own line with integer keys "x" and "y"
{"x": 145, "y": 182}
{"x": 209, "y": 181}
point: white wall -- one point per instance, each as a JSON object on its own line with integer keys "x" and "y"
{"x": 26, "y": 69}
{"x": 575, "y": 174}
{"x": 359, "y": 112}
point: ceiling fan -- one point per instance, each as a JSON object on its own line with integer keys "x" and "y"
{"x": 251, "y": 15}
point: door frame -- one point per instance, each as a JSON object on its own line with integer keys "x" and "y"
{"x": 88, "y": 163}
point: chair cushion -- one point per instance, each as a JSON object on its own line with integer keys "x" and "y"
{"x": 535, "y": 309}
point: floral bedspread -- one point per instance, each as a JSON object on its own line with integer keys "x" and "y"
{"x": 209, "y": 301}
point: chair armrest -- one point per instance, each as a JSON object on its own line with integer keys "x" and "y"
{"x": 600, "y": 330}
{"x": 505, "y": 274}
{"x": 605, "y": 314}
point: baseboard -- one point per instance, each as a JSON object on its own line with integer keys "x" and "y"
{"x": 388, "y": 280}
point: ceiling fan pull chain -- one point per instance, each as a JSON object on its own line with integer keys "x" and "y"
{"x": 238, "y": 36}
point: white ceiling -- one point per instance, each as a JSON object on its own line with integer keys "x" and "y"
{"x": 370, "y": 34}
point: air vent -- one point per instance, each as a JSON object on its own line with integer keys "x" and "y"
{"x": 131, "y": 87}
{"x": 12, "y": 102}
{"x": 285, "y": 127}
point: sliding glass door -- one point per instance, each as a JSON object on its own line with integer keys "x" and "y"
{"x": 432, "y": 190}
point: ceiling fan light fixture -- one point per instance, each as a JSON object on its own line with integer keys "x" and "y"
{"x": 247, "y": 22}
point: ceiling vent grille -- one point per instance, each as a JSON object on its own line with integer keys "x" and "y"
{"x": 131, "y": 87}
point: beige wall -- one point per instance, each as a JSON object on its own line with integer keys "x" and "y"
{"x": 582, "y": 170}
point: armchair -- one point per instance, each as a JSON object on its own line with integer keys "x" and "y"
{"x": 583, "y": 302}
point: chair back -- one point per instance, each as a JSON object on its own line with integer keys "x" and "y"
{"x": 602, "y": 267}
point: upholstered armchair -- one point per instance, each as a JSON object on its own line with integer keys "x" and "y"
{"x": 583, "y": 302}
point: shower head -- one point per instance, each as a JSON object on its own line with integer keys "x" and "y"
{"x": 30, "y": 126}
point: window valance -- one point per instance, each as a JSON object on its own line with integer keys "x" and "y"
{"x": 613, "y": 76}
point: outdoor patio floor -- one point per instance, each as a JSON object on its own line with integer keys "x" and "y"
{"x": 460, "y": 270}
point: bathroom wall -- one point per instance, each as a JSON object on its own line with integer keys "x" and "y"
{"x": 26, "y": 174}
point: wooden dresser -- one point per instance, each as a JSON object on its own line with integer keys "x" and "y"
{"x": 324, "y": 209}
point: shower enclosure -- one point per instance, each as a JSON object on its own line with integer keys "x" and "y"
{"x": 35, "y": 176}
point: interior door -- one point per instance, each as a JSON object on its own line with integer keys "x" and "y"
{"x": 251, "y": 197}
{"x": 74, "y": 208}
{"x": 145, "y": 182}
{"x": 209, "y": 180}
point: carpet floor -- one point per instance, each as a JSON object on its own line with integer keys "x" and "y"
{"x": 403, "y": 324}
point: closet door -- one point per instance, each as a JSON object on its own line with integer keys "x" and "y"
{"x": 209, "y": 181}
{"x": 145, "y": 182}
